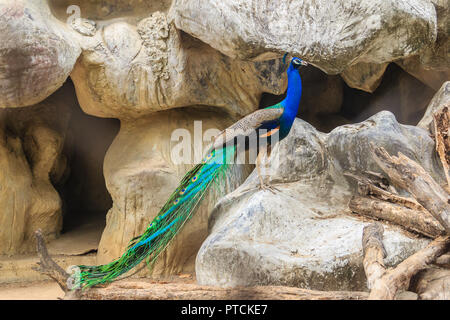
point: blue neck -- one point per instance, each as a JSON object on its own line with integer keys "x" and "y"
{"x": 292, "y": 100}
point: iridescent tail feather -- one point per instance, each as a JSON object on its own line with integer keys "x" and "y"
{"x": 180, "y": 206}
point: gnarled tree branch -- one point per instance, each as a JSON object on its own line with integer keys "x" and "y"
{"x": 409, "y": 175}
{"x": 47, "y": 266}
{"x": 385, "y": 284}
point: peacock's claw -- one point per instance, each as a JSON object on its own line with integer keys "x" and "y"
{"x": 269, "y": 187}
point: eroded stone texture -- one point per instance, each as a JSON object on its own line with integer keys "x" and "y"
{"x": 141, "y": 174}
{"x": 305, "y": 235}
{"x": 127, "y": 71}
{"x": 432, "y": 65}
{"x": 434, "y": 78}
{"x": 31, "y": 161}
{"x": 437, "y": 56}
{"x": 364, "y": 76}
{"x": 109, "y": 9}
{"x": 359, "y": 31}
{"x": 37, "y": 52}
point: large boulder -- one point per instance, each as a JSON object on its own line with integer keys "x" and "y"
{"x": 37, "y": 52}
{"x": 305, "y": 235}
{"x": 331, "y": 35}
{"x": 31, "y": 162}
{"x": 127, "y": 71}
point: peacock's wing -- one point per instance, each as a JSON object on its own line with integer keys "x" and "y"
{"x": 267, "y": 118}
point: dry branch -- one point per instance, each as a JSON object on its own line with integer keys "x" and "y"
{"x": 141, "y": 290}
{"x": 397, "y": 279}
{"x": 441, "y": 130}
{"x": 374, "y": 252}
{"x": 409, "y": 175}
{"x": 412, "y": 220}
{"x": 47, "y": 266}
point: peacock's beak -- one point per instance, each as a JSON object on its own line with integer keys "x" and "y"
{"x": 304, "y": 63}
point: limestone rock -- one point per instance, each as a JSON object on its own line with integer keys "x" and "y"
{"x": 364, "y": 76}
{"x": 330, "y": 35}
{"x": 305, "y": 235}
{"x": 432, "y": 65}
{"x": 37, "y": 52}
{"x": 431, "y": 77}
{"x": 31, "y": 161}
{"x": 437, "y": 56}
{"x": 349, "y": 145}
{"x": 130, "y": 10}
{"x": 127, "y": 71}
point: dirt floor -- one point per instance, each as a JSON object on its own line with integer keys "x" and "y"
{"x": 39, "y": 290}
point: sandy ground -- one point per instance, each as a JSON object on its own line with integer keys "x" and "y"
{"x": 49, "y": 290}
{"x": 41, "y": 290}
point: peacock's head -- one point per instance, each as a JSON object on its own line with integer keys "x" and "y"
{"x": 297, "y": 63}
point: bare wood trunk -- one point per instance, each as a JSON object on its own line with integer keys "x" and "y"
{"x": 393, "y": 280}
{"x": 412, "y": 220}
{"x": 47, "y": 266}
{"x": 134, "y": 290}
{"x": 409, "y": 175}
{"x": 374, "y": 252}
{"x": 442, "y": 135}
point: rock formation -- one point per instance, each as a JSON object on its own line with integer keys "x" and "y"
{"x": 159, "y": 66}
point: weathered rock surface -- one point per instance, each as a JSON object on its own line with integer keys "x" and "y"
{"x": 364, "y": 76}
{"x": 434, "y": 78}
{"x": 128, "y": 71}
{"x": 37, "y": 52}
{"x": 31, "y": 161}
{"x": 437, "y": 56}
{"x": 360, "y": 31}
{"x": 432, "y": 65}
{"x": 305, "y": 235}
{"x": 159, "y": 65}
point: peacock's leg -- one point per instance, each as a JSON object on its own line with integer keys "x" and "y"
{"x": 262, "y": 185}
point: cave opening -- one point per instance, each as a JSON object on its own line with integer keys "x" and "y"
{"x": 327, "y": 101}
{"x": 85, "y": 198}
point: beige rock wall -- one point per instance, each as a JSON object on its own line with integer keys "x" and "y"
{"x": 37, "y": 52}
{"x": 31, "y": 161}
{"x": 158, "y": 66}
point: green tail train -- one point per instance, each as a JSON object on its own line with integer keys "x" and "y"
{"x": 178, "y": 209}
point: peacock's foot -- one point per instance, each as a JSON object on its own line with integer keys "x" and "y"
{"x": 267, "y": 186}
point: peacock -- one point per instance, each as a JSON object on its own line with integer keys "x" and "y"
{"x": 213, "y": 169}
